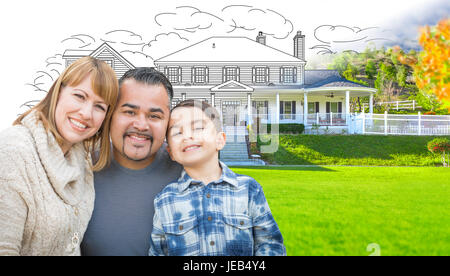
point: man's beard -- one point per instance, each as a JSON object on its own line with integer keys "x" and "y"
{"x": 149, "y": 154}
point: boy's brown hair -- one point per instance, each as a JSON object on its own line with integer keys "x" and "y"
{"x": 207, "y": 109}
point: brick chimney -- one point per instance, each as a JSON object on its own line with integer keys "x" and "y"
{"x": 299, "y": 45}
{"x": 261, "y": 38}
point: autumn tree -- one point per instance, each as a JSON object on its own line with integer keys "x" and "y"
{"x": 432, "y": 66}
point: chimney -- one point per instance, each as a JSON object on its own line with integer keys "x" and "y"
{"x": 299, "y": 45}
{"x": 261, "y": 38}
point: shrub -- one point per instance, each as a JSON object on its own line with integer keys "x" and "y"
{"x": 288, "y": 128}
{"x": 440, "y": 146}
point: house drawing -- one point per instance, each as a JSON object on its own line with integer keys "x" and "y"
{"x": 234, "y": 73}
{"x": 106, "y": 53}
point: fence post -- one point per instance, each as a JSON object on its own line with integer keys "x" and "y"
{"x": 397, "y": 105}
{"x": 385, "y": 123}
{"x": 419, "y": 123}
{"x": 414, "y": 104}
{"x": 317, "y": 118}
{"x": 331, "y": 118}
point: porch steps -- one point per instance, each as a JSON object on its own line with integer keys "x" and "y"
{"x": 235, "y": 151}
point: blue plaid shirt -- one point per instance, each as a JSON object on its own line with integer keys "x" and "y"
{"x": 228, "y": 217}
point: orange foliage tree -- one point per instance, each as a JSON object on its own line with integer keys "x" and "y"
{"x": 432, "y": 66}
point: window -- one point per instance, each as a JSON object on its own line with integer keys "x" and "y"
{"x": 200, "y": 75}
{"x": 110, "y": 62}
{"x": 173, "y": 74}
{"x": 287, "y": 110}
{"x": 230, "y": 73}
{"x": 288, "y": 74}
{"x": 261, "y": 74}
{"x": 261, "y": 108}
{"x": 313, "y": 107}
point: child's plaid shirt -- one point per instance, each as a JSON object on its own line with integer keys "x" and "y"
{"x": 228, "y": 217}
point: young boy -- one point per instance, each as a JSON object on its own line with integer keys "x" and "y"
{"x": 210, "y": 210}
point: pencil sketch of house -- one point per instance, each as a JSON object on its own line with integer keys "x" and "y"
{"x": 106, "y": 53}
{"x": 233, "y": 73}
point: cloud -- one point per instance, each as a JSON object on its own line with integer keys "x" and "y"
{"x": 333, "y": 39}
{"x": 231, "y": 20}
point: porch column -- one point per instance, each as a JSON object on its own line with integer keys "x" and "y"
{"x": 347, "y": 107}
{"x": 305, "y": 108}
{"x": 277, "y": 108}
{"x": 371, "y": 104}
{"x": 249, "y": 108}
{"x": 213, "y": 100}
{"x": 183, "y": 96}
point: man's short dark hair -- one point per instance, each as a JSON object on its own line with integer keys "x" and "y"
{"x": 207, "y": 109}
{"x": 149, "y": 76}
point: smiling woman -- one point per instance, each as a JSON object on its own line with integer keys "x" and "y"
{"x": 46, "y": 180}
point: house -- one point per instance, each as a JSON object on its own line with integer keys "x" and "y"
{"x": 233, "y": 73}
{"x": 106, "y": 53}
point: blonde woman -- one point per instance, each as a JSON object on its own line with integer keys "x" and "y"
{"x": 46, "y": 170}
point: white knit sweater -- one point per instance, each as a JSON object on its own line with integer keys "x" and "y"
{"x": 46, "y": 199}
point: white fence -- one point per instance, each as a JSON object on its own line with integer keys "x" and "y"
{"x": 397, "y": 105}
{"x": 390, "y": 124}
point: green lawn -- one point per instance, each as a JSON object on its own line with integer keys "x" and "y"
{"x": 341, "y": 210}
{"x": 353, "y": 150}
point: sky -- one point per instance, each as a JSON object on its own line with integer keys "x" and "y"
{"x": 35, "y": 34}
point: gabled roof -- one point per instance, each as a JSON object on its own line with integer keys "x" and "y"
{"x": 229, "y": 49}
{"x": 232, "y": 86}
{"x": 105, "y": 46}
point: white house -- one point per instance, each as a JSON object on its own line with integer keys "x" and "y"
{"x": 232, "y": 73}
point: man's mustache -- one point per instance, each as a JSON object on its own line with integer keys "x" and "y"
{"x": 142, "y": 134}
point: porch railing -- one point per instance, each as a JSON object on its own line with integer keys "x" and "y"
{"x": 321, "y": 119}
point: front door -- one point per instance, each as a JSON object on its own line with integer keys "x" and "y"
{"x": 230, "y": 112}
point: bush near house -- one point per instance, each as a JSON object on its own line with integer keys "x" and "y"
{"x": 288, "y": 128}
{"x": 364, "y": 150}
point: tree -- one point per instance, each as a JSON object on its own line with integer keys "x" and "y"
{"x": 432, "y": 67}
{"x": 370, "y": 69}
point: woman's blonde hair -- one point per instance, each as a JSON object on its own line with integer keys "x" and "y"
{"x": 104, "y": 83}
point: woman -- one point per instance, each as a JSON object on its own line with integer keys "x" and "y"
{"x": 46, "y": 179}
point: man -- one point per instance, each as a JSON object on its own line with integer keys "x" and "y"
{"x": 122, "y": 220}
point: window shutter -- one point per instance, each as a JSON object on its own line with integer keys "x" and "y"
{"x": 295, "y": 74}
{"x": 293, "y": 109}
{"x": 207, "y": 75}
{"x": 166, "y": 71}
{"x": 193, "y": 75}
{"x": 317, "y": 107}
{"x": 282, "y": 109}
{"x": 253, "y": 74}
{"x": 328, "y": 107}
{"x": 180, "y": 74}
{"x": 238, "y": 74}
{"x": 224, "y": 74}
{"x": 267, "y": 74}
{"x": 340, "y": 107}
{"x": 281, "y": 74}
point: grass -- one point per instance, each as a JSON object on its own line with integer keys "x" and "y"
{"x": 353, "y": 150}
{"x": 341, "y": 210}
